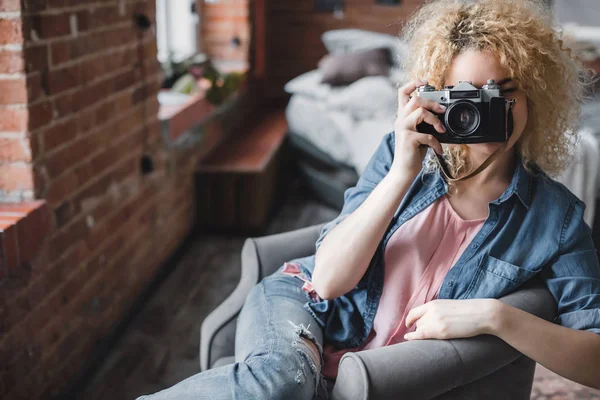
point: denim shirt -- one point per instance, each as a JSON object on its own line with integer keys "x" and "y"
{"x": 535, "y": 227}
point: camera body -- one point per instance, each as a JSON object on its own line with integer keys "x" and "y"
{"x": 472, "y": 115}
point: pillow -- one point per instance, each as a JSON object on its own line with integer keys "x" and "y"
{"x": 340, "y": 41}
{"x": 309, "y": 84}
{"x": 370, "y": 97}
{"x": 343, "y": 69}
{"x": 398, "y": 76}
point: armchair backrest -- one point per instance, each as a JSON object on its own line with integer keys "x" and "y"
{"x": 272, "y": 251}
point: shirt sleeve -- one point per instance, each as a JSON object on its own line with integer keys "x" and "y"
{"x": 573, "y": 277}
{"x": 376, "y": 169}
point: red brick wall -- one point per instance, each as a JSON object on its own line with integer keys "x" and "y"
{"x": 78, "y": 79}
{"x": 222, "y": 21}
{"x": 16, "y": 180}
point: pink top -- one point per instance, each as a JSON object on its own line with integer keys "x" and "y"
{"x": 417, "y": 258}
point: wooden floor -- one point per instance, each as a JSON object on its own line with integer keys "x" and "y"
{"x": 160, "y": 347}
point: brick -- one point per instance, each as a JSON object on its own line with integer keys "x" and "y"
{"x": 50, "y": 25}
{"x": 35, "y": 149}
{"x": 40, "y": 114}
{"x": 94, "y": 69}
{"x": 67, "y": 238}
{"x": 11, "y": 62}
{"x": 84, "y": 20}
{"x": 61, "y": 52}
{"x": 11, "y": 317}
{"x": 120, "y": 37}
{"x": 64, "y": 213}
{"x": 33, "y": 230}
{"x": 15, "y": 177}
{"x": 13, "y": 91}
{"x": 129, "y": 169}
{"x": 123, "y": 81}
{"x": 118, "y": 60}
{"x": 34, "y": 87}
{"x": 59, "y": 161}
{"x": 64, "y": 104}
{"x": 93, "y": 193}
{"x": 11, "y": 31}
{"x": 31, "y": 6}
{"x": 61, "y": 188}
{"x": 59, "y": 134}
{"x": 10, "y": 5}
{"x": 64, "y": 79}
{"x": 73, "y": 49}
{"x": 9, "y": 246}
{"x": 86, "y": 121}
{"x": 15, "y": 149}
{"x": 140, "y": 94}
{"x": 129, "y": 123}
{"x": 90, "y": 95}
{"x": 106, "y": 112}
{"x": 106, "y": 16}
{"x": 54, "y": 4}
{"x": 13, "y": 120}
{"x": 36, "y": 57}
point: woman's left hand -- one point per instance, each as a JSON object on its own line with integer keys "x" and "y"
{"x": 451, "y": 319}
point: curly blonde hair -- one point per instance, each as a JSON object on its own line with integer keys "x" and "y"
{"x": 529, "y": 46}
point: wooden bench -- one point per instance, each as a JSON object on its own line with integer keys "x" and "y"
{"x": 237, "y": 183}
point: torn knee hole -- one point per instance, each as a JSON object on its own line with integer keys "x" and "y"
{"x": 314, "y": 352}
{"x": 306, "y": 344}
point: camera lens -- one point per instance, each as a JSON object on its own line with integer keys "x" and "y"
{"x": 462, "y": 118}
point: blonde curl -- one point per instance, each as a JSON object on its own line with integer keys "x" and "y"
{"x": 529, "y": 46}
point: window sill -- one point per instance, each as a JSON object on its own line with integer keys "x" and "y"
{"x": 185, "y": 122}
{"x": 23, "y": 229}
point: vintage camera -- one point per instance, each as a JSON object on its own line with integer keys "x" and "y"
{"x": 472, "y": 115}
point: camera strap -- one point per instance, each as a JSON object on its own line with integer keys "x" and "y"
{"x": 511, "y": 141}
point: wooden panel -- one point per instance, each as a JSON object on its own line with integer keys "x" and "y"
{"x": 236, "y": 183}
{"x": 250, "y": 152}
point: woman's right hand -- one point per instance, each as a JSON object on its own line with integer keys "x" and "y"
{"x": 411, "y": 146}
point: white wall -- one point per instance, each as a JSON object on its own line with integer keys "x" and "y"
{"x": 176, "y": 29}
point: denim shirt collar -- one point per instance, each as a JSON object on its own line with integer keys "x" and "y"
{"x": 520, "y": 185}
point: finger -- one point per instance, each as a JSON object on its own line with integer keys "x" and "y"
{"x": 405, "y": 91}
{"x": 430, "y": 141}
{"x": 415, "y": 102}
{"x": 416, "y": 335}
{"x": 423, "y": 115}
{"x": 415, "y": 314}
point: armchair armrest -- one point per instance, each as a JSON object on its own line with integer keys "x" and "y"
{"x": 260, "y": 257}
{"x": 424, "y": 369}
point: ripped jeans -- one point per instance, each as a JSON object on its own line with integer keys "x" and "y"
{"x": 272, "y": 357}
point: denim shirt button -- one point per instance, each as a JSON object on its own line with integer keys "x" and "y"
{"x": 474, "y": 246}
{"x": 449, "y": 284}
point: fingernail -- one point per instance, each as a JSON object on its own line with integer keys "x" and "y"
{"x": 442, "y": 107}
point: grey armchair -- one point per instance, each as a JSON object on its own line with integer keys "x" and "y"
{"x": 481, "y": 367}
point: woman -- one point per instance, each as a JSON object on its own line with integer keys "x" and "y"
{"x": 414, "y": 255}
